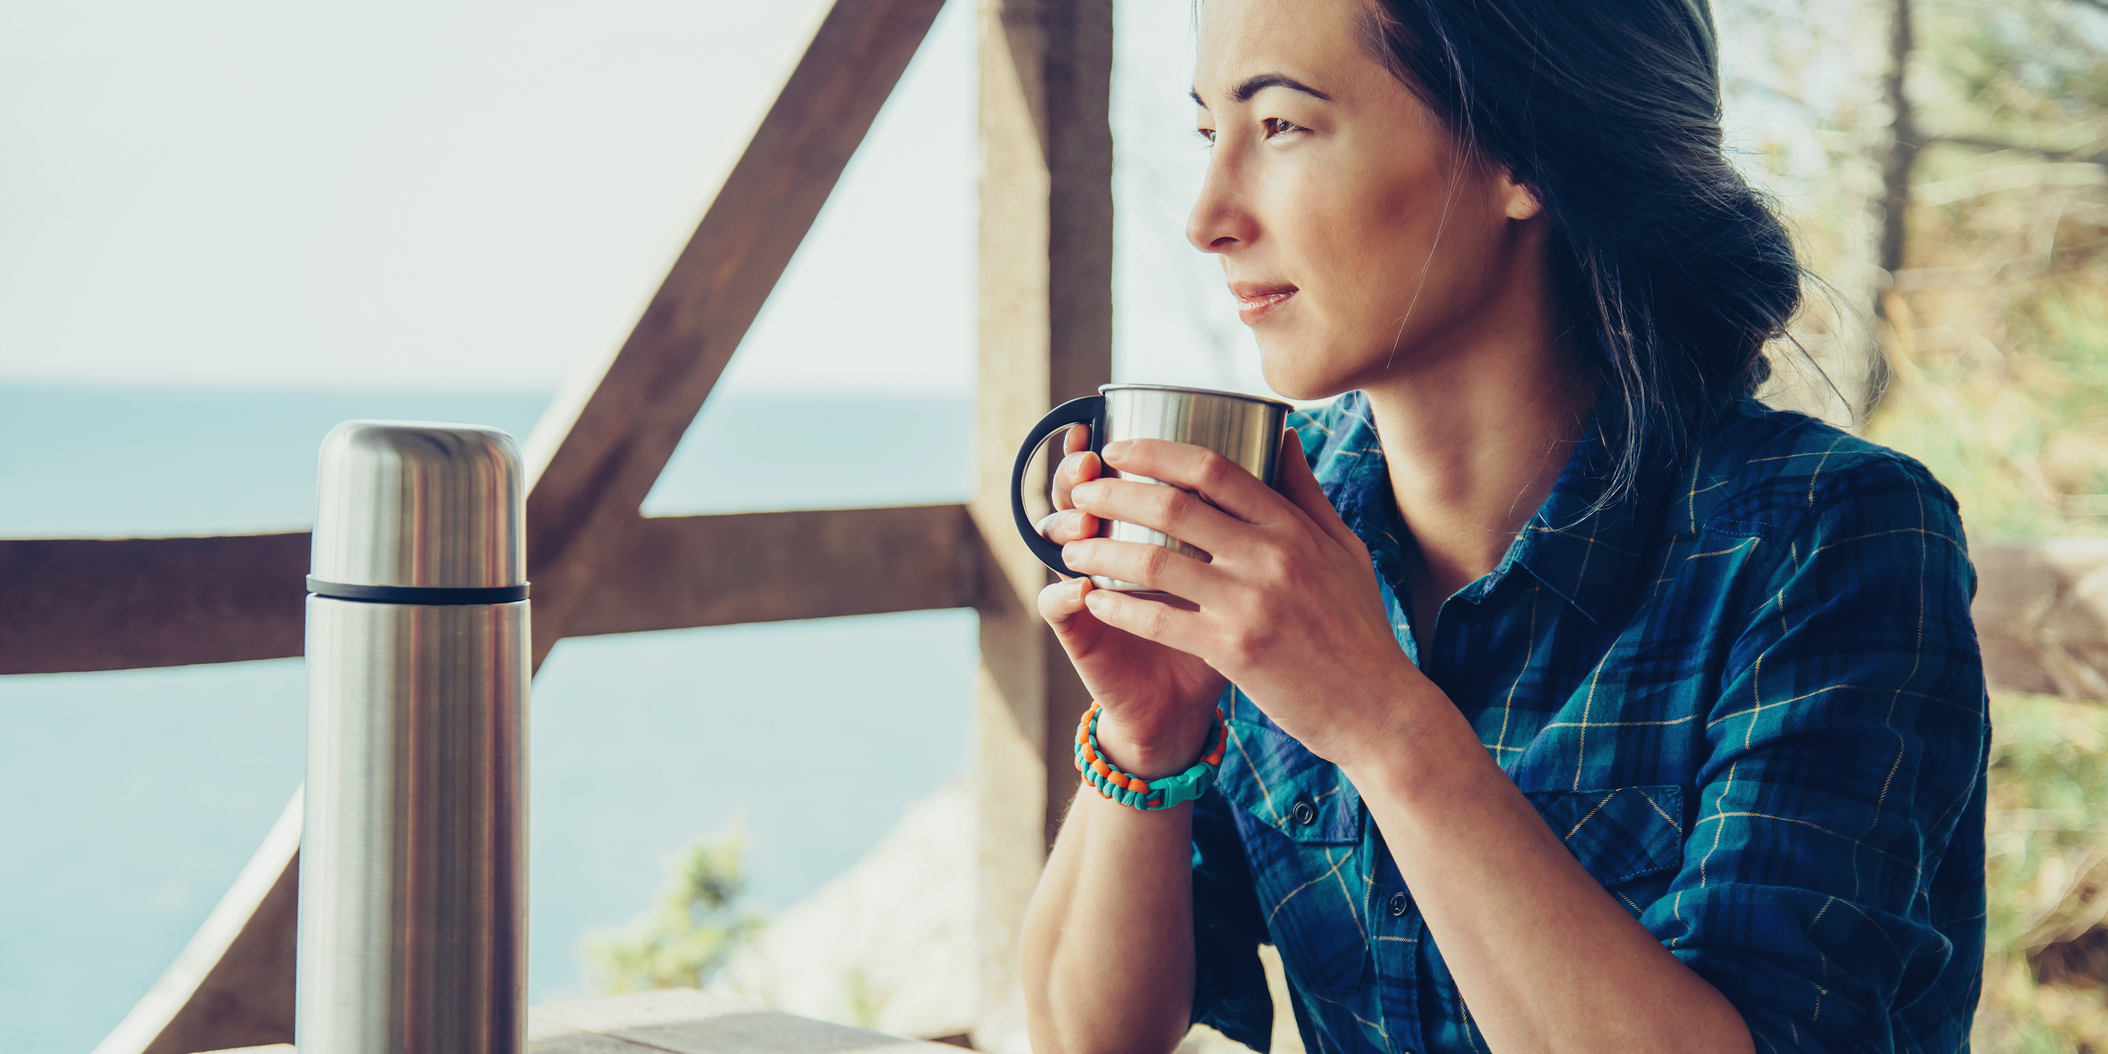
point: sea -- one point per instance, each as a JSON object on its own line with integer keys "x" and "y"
{"x": 129, "y": 800}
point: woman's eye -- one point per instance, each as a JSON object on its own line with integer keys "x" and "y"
{"x": 1276, "y": 126}
{"x": 1206, "y": 133}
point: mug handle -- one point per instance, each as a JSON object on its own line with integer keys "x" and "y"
{"x": 1084, "y": 411}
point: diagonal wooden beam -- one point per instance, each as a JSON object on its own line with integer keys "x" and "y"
{"x": 593, "y": 457}
{"x": 597, "y": 452}
{"x": 209, "y": 998}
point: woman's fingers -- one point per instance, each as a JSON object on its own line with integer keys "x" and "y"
{"x": 1150, "y": 566}
{"x": 1151, "y": 620}
{"x": 1226, "y": 484}
{"x": 1300, "y": 486}
{"x": 1062, "y": 601}
{"x": 1077, "y": 464}
{"x": 1076, "y": 439}
{"x": 1061, "y": 528}
{"x": 1175, "y": 512}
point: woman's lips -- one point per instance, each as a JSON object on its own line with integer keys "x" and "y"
{"x": 1257, "y": 300}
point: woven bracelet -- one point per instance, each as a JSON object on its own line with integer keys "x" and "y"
{"x": 1136, "y": 792}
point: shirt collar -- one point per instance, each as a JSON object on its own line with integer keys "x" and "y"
{"x": 1351, "y": 469}
{"x": 1582, "y": 550}
{"x": 1583, "y": 553}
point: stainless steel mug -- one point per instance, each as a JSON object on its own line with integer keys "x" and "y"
{"x": 413, "y": 860}
{"x": 1244, "y": 428}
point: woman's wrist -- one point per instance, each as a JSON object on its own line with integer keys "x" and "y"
{"x": 1410, "y": 740}
{"x": 1151, "y": 749}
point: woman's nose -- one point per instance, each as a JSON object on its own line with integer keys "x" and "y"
{"x": 1219, "y": 221}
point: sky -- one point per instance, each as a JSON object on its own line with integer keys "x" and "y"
{"x": 463, "y": 194}
{"x": 474, "y": 195}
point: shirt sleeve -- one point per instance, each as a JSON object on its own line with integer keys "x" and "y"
{"x": 1845, "y": 760}
{"x": 1229, "y": 985}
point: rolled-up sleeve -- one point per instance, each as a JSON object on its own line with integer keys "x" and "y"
{"x": 1229, "y": 985}
{"x": 1817, "y": 890}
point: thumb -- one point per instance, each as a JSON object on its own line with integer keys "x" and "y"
{"x": 1300, "y": 486}
{"x": 1061, "y": 605}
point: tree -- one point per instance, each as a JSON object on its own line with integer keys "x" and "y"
{"x": 697, "y": 925}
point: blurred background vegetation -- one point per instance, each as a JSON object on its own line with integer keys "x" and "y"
{"x": 700, "y": 919}
{"x": 1955, "y": 205}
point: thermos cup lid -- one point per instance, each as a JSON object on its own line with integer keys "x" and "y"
{"x": 412, "y": 505}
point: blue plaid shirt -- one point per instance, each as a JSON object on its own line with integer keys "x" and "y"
{"x": 1749, "y": 700}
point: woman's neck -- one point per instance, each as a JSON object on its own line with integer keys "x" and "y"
{"x": 1474, "y": 442}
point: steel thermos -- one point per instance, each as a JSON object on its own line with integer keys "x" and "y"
{"x": 413, "y": 899}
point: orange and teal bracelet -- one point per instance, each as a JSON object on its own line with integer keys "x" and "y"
{"x": 1136, "y": 792}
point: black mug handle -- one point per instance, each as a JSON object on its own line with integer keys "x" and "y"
{"x": 1084, "y": 411}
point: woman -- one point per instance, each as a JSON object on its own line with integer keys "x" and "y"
{"x": 1575, "y": 701}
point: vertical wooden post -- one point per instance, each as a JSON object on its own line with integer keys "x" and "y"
{"x": 1046, "y": 231}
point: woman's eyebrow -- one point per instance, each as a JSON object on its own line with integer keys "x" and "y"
{"x": 1254, "y": 85}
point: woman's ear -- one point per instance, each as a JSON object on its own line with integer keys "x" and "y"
{"x": 1518, "y": 201}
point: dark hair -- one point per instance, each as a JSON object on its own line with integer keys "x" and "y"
{"x": 1609, "y": 111}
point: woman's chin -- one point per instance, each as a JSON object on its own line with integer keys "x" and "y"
{"x": 1301, "y": 373}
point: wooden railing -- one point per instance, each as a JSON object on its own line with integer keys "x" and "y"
{"x": 599, "y": 566}
{"x": 682, "y": 1020}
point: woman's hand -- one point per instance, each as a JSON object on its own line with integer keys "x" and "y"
{"x": 1288, "y": 608}
{"x": 1158, "y": 702}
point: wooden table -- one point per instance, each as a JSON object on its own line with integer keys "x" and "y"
{"x": 684, "y": 1021}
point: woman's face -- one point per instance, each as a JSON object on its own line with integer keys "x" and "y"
{"x": 1359, "y": 244}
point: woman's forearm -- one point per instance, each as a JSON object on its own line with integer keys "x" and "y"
{"x": 1108, "y": 939}
{"x": 1542, "y": 954}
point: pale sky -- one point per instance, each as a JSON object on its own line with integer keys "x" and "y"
{"x": 455, "y": 194}
{"x": 471, "y": 194}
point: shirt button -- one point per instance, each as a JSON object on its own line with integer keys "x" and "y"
{"x": 1305, "y": 812}
{"x": 1400, "y": 904}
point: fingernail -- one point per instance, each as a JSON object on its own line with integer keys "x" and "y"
{"x": 1118, "y": 448}
{"x": 1068, "y": 553}
{"x": 1074, "y": 522}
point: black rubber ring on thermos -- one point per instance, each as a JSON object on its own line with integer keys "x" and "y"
{"x": 417, "y": 594}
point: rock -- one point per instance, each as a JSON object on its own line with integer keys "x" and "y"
{"x": 887, "y": 945}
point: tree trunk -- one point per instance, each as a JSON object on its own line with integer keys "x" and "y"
{"x": 1899, "y": 158}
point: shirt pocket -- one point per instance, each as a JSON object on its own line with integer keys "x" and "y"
{"x": 1630, "y": 839}
{"x": 1300, "y": 821}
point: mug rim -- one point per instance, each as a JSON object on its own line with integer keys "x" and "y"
{"x": 1244, "y": 396}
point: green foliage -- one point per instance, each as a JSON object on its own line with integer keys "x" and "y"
{"x": 2020, "y": 66}
{"x": 865, "y": 999}
{"x": 2049, "y": 793}
{"x": 692, "y": 932}
{"x": 1999, "y": 338}
{"x": 2017, "y": 428}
